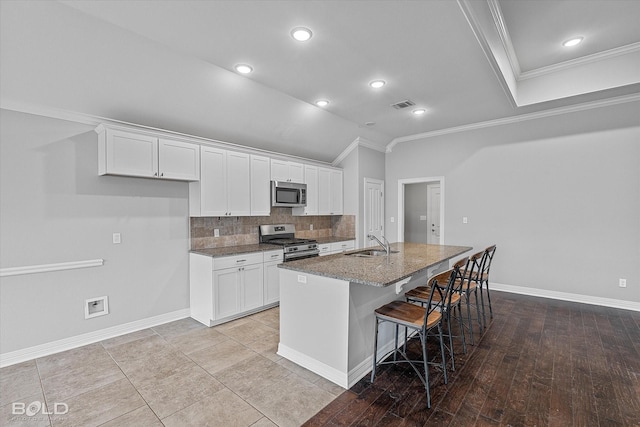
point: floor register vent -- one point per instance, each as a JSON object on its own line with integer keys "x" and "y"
{"x": 403, "y": 104}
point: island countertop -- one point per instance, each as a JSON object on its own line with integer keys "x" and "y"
{"x": 379, "y": 271}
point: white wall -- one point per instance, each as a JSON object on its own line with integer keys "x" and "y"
{"x": 55, "y": 208}
{"x": 560, "y": 196}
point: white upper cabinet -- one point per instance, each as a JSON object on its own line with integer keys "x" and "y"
{"x": 260, "y": 185}
{"x": 324, "y": 191}
{"x": 178, "y": 160}
{"x": 135, "y": 154}
{"x": 311, "y": 179}
{"x": 336, "y": 202}
{"x": 224, "y": 188}
{"x": 330, "y": 191}
{"x": 282, "y": 170}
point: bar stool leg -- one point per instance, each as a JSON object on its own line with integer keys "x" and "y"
{"x": 423, "y": 340}
{"x": 464, "y": 341}
{"x": 467, "y": 296}
{"x": 375, "y": 351}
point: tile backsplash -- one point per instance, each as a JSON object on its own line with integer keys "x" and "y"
{"x": 243, "y": 230}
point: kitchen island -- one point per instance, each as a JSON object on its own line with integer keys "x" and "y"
{"x": 327, "y": 305}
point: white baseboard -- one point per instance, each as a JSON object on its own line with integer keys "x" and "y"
{"x": 566, "y": 296}
{"x": 322, "y": 369}
{"x": 13, "y": 357}
{"x": 343, "y": 379}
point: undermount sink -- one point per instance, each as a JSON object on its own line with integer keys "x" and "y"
{"x": 370, "y": 253}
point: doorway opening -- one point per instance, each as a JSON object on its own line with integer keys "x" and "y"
{"x": 421, "y": 210}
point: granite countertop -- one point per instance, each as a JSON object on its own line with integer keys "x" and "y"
{"x": 258, "y": 247}
{"x": 412, "y": 258}
{"x": 236, "y": 250}
{"x": 333, "y": 239}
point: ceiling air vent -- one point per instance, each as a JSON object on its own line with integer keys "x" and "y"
{"x": 403, "y": 104}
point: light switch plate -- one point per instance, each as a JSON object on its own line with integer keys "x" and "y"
{"x": 116, "y": 238}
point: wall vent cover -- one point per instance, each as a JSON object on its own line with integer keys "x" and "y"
{"x": 403, "y": 104}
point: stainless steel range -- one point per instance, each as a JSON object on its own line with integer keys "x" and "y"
{"x": 284, "y": 235}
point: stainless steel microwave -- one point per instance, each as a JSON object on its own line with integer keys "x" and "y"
{"x": 291, "y": 194}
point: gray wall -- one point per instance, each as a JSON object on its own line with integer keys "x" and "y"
{"x": 560, "y": 196}
{"x": 415, "y": 205}
{"x": 361, "y": 163}
{"x": 55, "y": 208}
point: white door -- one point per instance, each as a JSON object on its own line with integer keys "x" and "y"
{"x": 373, "y": 210}
{"x": 433, "y": 213}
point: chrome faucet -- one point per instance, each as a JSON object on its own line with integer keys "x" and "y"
{"x": 387, "y": 247}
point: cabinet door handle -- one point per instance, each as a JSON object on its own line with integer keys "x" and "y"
{"x": 241, "y": 260}
{"x": 275, "y": 256}
{"x": 162, "y": 174}
{"x": 155, "y": 174}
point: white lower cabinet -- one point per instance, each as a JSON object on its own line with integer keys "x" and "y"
{"x": 336, "y": 247}
{"x": 347, "y": 245}
{"x": 237, "y": 289}
{"x": 272, "y": 276}
{"x": 225, "y": 288}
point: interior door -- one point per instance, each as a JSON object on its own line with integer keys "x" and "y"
{"x": 433, "y": 213}
{"x": 373, "y": 210}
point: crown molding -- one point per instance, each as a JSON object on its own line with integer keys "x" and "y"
{"x": 507, "y": 78}
{"x": 503, "y": 33}
{"x": 579, "y": 62}
{"x": 516, "y": 119}
{"x": 100, "y": 123}
{"x": 358, "y": 142}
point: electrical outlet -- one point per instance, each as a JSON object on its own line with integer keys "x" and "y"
{"x": 216, "y": 232}
{"x": 302, "y": 278}
{"x": 465, "y": 220}
{"x": 310, "y": 226}
{"x": 116, "y": 238}
{"x": 622, "y": 283}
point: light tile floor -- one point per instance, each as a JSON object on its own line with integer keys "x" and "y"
{"x": 177, "y": 374}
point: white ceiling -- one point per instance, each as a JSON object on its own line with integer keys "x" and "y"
{"x": 169, "y": 64}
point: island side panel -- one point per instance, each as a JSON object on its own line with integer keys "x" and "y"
{"x": 314, "y": 324}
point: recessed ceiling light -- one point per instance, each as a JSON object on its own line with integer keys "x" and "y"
{"x": 301, "y": 34}
{"x": 322, "y": 103}
{"x": 376, "y": 84}
{"x": 573, "y": 42}
{"x": 243, "y": 68}
{"x": 419, "y": 111}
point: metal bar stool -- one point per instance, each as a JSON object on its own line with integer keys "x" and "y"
{"x": 420, "y": 320}
{"x": 470, "y": 286}
{"x": 421, "y": 294}
{"x": 483, "y": 279}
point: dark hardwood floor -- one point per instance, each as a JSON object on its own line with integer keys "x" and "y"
{"x": 541, "y": 362}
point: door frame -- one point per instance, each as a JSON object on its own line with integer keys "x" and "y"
{"x": 401, "y": 184}
{"x": 365, "y": 215}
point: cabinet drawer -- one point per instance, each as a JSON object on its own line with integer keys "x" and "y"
{"x": 237, "y": 260}
{"x": 342, "y": 246}
{"x": 273, "y": 256}
{"x": 324, "y": 249}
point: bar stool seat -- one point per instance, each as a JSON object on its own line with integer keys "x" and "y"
{"x": 421, "y": 320}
